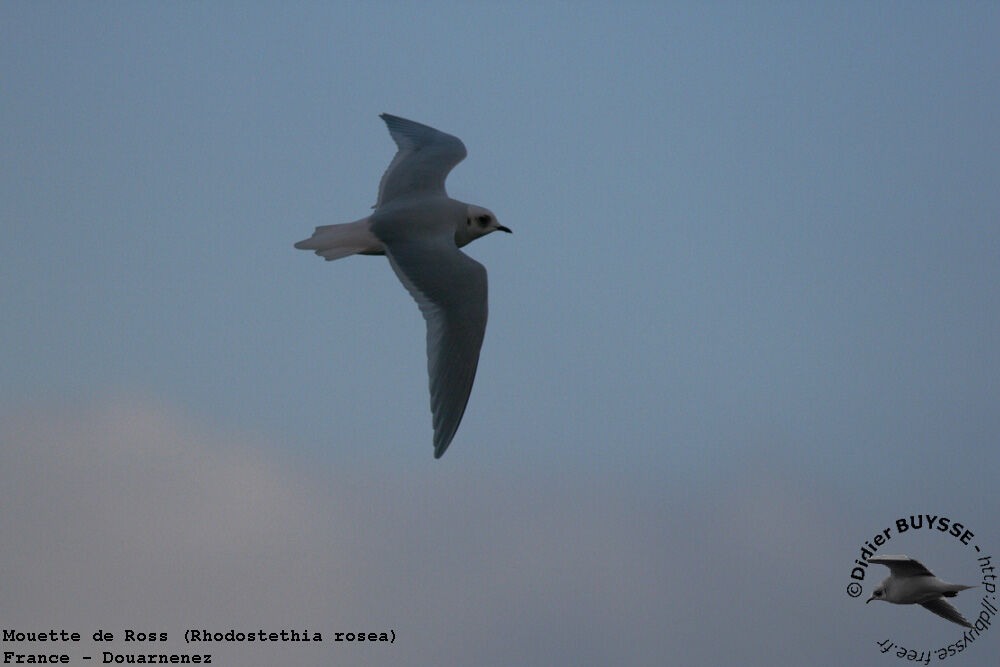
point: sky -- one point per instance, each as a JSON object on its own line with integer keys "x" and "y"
{"x": 746, "y": 321}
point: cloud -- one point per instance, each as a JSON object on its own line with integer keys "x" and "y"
{"x": 122, "y": 514}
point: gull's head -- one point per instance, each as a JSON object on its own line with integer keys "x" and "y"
{"x": 480, "y": 221}
{"x": 877, "y": 594}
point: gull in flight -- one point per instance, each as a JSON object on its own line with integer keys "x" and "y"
{"x": 909, "y": 582}
{"x": 420, "y": 229}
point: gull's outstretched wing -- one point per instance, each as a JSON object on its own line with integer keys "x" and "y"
{"x": 902, "y": 566}
{"x": 423, "y": 161}
{"x": 450, "y": 288}
{"x": 944, "y": 609}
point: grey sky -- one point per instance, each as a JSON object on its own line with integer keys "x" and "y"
{"x": 747, "y": 318}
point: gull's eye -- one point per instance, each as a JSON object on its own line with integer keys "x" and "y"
{"x": 483, "y": 220}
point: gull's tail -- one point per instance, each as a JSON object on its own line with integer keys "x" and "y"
{"x": 954, "y": 590}
{"x": 336, "y": 241}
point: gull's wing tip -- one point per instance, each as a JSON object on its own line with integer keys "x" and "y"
{"x": 394, "y": 121}
{"x": 945, "y": 610}
{"x": 441, "y": 445}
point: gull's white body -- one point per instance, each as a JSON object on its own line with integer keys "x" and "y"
{"x": 909, "y": 582}
{"x": 420, "y": 229}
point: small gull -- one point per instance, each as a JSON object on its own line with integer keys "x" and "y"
{"x": 909, "y": 582}
{"x": 420, "y": 229}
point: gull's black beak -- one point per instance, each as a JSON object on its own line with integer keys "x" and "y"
{"x": 504, "y": 229}
{"x": 869, "y": 599}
